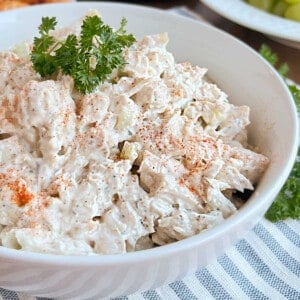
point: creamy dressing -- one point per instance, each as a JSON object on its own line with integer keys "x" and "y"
{"x": 153, "y": 156}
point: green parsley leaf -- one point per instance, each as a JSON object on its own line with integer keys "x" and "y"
{"x": 296, "y": 94}
{"x": 92, "y": 27}
{"x": 283, "y": 70}
{"x": 47, "y": 25}
{"x": 66, "y": 55}
{"x": 88, "y": 59}
{"x": 267, "y": 53}
{"x": 287, "y": 203}
{"x": 42, "y": 61}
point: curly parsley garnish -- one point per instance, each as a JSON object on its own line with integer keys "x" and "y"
{"x": 287, "y": 203}
{"x": 88, "y": 59}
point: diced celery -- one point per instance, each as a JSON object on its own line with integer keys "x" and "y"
{"x": 130, "y": 151}
{"x": 22, "y": 50}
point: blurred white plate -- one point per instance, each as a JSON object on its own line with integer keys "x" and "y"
{"x": 282, "y": 30}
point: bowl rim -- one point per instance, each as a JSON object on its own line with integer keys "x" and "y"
{"x": 165, "y": 251}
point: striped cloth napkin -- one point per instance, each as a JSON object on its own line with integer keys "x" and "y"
{"x": 265, "y": 264}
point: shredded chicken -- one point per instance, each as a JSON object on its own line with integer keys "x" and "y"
{"x": 154, "y": 155}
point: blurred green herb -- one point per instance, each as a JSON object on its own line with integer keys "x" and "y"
{"x": 88, "y": 59}
{"x": 287, "y": 203}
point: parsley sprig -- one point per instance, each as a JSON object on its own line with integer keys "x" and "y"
{"x": 287, "y": 203}
{"x": 89, "y": 59}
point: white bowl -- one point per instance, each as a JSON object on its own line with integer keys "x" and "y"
{"x": 244, "y": 76}
{"x": 277, "y": 28}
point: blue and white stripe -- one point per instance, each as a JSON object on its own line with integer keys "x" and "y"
{"x": 263, "y": 265}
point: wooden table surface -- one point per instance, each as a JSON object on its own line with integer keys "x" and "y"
{"x": 252, "y": 38}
